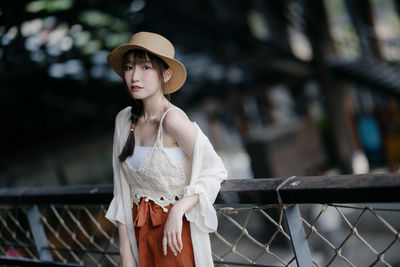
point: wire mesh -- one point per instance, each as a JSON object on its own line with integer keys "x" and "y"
{"x": 354, "y": 235}
{"x": 15, "y": 235}
{"x": 81, "y": 234}
{"x": 338, "y": 235}
{"x": 252, "y": 235}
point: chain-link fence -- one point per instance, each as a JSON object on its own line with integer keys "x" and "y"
{"x": 339, "y": 235}
{"x": 248, "y": 235}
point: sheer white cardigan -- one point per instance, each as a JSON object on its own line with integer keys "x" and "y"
{"x": 208, "y": 172}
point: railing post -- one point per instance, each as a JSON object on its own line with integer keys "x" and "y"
{"x": 37, "y": 231}
{"x": 298, "y": 237}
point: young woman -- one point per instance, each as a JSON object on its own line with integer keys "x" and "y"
{"x": 166, "y": 172}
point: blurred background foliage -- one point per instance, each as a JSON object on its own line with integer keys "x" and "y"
{"x": 282, "y": 88}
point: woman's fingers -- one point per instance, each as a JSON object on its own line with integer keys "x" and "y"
{"x": 164, "y": 244}
{"x": 175, "y": 242}
{"x": 171, "y": 245}
{"x": 180, "y": 244}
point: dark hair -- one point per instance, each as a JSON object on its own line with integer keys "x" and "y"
{"x": 160, "y": 66}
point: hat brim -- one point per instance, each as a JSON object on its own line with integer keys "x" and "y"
{"x": 177, "y": 79}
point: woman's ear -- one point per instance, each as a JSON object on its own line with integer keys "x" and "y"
{"x": 167, "y": 74}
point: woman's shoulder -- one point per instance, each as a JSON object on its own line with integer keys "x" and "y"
{"x": 176, "y": 122}
{"x": 175, "y": 117}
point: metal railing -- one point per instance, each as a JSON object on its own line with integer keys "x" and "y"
{"x": 260, "y": 223}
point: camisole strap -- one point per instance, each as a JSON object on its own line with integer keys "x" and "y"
{"x": 160, "y": 141}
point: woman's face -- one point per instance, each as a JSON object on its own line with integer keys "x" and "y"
{"x": 141, "y": 78}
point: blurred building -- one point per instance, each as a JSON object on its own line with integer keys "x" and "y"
{"x": 282, "y": 88}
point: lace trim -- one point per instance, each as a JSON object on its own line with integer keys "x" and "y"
{"x": 160, "y": 201}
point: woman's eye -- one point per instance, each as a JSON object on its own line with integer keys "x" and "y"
{"x": 128, "y": 68}
{"x": 146, "y": 67}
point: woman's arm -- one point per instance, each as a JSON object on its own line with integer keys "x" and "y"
{"x": 178, "y": 126}
{"x": 174, "y": 122}
{"x": 208, "y": 172}
{"x": 127, "y": 258}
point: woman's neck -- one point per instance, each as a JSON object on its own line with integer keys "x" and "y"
{"x": 154, "y": 107}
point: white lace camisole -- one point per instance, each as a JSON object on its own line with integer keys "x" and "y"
{"x": 157, "y": 173}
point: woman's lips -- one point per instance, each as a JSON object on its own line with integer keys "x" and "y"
{"x": 135, "y": 88}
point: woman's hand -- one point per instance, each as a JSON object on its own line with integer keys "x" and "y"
{"x": 173, "y": 226}
{"x": 173, "y": 231}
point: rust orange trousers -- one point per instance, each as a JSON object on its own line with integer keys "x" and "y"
{"x": 149, "y": 223}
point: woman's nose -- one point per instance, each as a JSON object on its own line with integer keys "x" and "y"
{"x": 135, "y": 74}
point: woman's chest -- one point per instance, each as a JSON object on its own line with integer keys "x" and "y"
{"x": 159, "y": 168}
{"x": 146, "y": 134}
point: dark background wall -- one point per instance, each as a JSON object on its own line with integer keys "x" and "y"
{"x": 281, "y": 87}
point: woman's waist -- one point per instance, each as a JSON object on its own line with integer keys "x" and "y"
{"x": 149, "y": 212}
{"x": 161, "y": 198}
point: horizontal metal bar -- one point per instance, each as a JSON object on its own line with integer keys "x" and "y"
{"x": 31, "y": 262}
{"x": 91, "y": 251}
{"x": 372, "y": 188}
{"x": 75, "y": 194}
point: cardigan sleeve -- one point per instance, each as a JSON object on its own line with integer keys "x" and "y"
{"x": 208, "y": 172}
{"x": 115, "y": 211}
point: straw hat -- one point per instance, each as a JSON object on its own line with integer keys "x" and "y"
{"x": 157, "y": 45}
